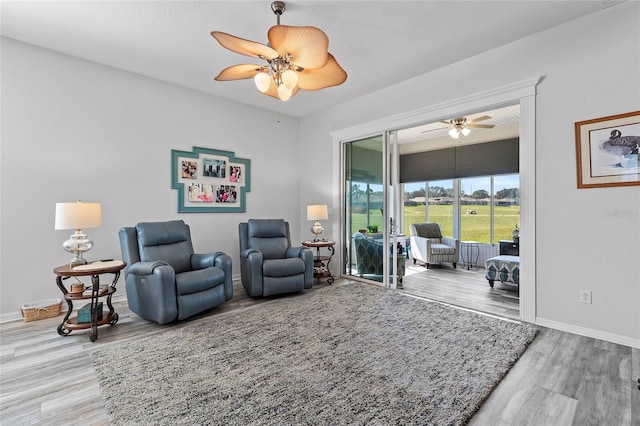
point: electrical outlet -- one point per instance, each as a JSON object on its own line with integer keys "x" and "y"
{"x": 585, "y": 296}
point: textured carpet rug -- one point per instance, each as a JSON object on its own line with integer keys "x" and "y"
{"x": 342, "y": 355}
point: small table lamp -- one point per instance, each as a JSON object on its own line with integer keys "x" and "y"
{"x": 76, "y": 216}
{"x": 317, "y": 212}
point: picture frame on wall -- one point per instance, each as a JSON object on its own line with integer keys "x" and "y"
{"x": 210, "y": 180}
{"x": 607, "y": 151}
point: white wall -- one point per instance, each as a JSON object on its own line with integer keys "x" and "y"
{"x": 587, "y": 238}
{"x": 73, "y": 129}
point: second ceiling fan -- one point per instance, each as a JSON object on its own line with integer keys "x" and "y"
{"x": 461, "y": 125}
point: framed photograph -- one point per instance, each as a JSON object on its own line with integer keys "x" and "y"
{"x": 210, "y": 180}
{"x": 189, "y": 170}
{"x": 214, "y": 168}
{"x": 607, "y": 151}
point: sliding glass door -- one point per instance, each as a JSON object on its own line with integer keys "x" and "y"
{"x": 370, "y": 205}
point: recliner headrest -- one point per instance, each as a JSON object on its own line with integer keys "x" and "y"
{"x": 162, "y": 233}
{"x": 267, "y": 228}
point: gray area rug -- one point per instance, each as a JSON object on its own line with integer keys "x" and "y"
{"x": 342, "y": 355}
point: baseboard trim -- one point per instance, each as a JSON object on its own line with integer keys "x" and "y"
{"x": 588, "y": 332}
{"x": 15, "y": 316}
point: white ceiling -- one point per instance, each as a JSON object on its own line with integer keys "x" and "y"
{"x": 378, "y": 43}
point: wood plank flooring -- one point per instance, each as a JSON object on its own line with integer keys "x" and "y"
{"x": 562, "y": 379}
{"x": 467, "y": 288}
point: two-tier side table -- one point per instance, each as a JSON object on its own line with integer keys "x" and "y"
{"x": 94, "y": 270}
{"x": 321, "y": 262}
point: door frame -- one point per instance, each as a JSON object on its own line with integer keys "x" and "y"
{"x": 522, "y": 92}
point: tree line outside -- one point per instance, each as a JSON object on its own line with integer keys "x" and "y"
{"x": 475, "y": 220}
{"x": 474, "y": 227}
{"x": 475, "y": 224}
{"x": 439, "y": 191}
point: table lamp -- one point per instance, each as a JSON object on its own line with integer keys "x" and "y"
{"x": 317, "y": 212}
{"x": 76, "y": 216}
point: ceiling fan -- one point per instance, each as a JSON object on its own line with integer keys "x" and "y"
{"x": 297, "y": 58}
{"x": 464, "y": 126}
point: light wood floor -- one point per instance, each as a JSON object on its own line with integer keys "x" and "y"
{"x": 467, "y": 288}
{"x": 562, "y": 379}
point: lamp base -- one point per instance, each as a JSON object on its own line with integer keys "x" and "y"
{"x": 317, "y": 229}
{"x": 78, "y": 260}
{"x": 77, "y": 244}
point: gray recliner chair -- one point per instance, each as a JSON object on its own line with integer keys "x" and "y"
{"x": 268, "y": 263}
{"x": 164, "y": 279}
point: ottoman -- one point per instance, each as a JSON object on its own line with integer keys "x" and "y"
{"x": 503, "y": 268}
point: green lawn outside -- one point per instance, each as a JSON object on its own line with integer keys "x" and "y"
{"x": 475, "y": 227}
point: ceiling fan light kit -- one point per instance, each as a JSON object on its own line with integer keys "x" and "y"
{"x": 297, "y": 58}
{"x": 463, "y": 126}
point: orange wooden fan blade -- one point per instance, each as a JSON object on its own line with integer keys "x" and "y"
{"x": 238, "y": 72}
{"x": 331, "y": 74}
{"x": 244, "y": 47}
{"x": 308, "y": 45}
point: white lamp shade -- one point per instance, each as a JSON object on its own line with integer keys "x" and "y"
{"x": 466, "y": 131}
{"x": 453, "y": 133}
{"x": 262, "y": 81}
{"x": 317, "y": 212}
{"x": 78, "y": 215}
{"x": 289, "y": 79}
{"x": 283, "y": 93}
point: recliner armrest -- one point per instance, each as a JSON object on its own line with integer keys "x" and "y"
{"x": 202, "y": 261}
{"x": 304, "y": 253}
{"x": 223, "y": 261}
{"x": 145, "y": 268}
{"x": 244, "y": 254}
{"x": 296, "y": 251}
{"x": 251, "y": 271}
{"x": 207, "y": 260}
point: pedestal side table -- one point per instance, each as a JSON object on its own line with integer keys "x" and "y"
{"x": 94, "y": 270}
{"x": 321, "y": 262}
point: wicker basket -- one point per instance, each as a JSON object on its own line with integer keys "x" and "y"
{"x": 41, "y": 309}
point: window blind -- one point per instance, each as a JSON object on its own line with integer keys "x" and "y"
{"x": 485, "y": 159}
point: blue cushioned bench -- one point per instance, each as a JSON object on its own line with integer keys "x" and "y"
{"x": 503, "y": 268}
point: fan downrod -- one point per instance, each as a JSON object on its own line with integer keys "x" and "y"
{"x": 278, "y": 8}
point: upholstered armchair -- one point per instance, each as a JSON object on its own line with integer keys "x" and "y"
{"x": 369, "y": 254}
{"x": 429, "y": 246}
{"x": 164, "y": 279}
{"x": 268, "y": 263}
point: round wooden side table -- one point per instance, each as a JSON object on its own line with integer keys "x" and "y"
{"x": 94, "y": 270}
{"x": 320, "y": 262}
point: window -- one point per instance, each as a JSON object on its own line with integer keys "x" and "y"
{"x": 434, "y": 204}
{"x": 489, "y": 206}
{"x": 475, "y": 209}
{"x": 506, "y": 201}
